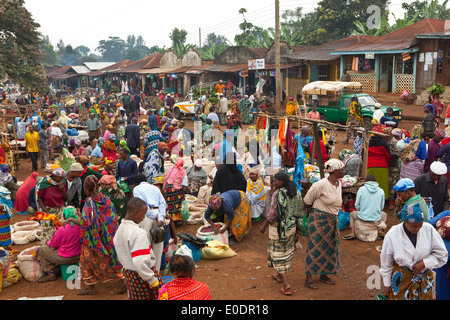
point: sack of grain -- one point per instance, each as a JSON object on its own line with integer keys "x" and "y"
{"x": 28, "y": 265}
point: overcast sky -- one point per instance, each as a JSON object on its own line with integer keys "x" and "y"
{"x": 86, "y": 22}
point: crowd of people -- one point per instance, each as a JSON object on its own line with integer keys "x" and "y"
{"x": 113, "y": 203}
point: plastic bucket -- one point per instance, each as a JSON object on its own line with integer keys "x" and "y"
{"x": 68, "y": 270}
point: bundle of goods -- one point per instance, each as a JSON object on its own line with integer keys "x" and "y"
{"x": 207, "y": 232}
{"x": 348, "y": 181}
{"x": 29, "y": 267}
{"x": 25, "y": 232}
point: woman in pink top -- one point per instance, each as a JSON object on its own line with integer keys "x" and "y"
{"x": 63, "y": 249}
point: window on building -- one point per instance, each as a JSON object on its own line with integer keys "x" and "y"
{"x": 404, "y": 67}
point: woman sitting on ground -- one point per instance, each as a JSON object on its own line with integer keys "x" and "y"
{"x": 197, "y": 177}
{"x": 63, "y": 249}
{"x": 183, "y": 287}
{"x": 8, "y": 181}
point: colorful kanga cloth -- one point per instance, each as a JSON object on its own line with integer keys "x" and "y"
{"x": 409, "y": 286}
{"x": 98, "y": 226}
{"x": 184, "y": 289}
{"x": 355, "y": 109}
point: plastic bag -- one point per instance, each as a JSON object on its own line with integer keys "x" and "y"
{"x": 184, "y": 251}
{"x": 184, "y": 210}
{"x": 124, "y": 186}
{"x": 344, "y": 220}
{"x": 302, "y": 225}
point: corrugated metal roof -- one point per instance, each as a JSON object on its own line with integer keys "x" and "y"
{"x": 111, "y": 68}
{"x": 401, "y": 39}
{"x": 322, "y": 52}
{"x": 58, "y": 71}
{"x": 94, "y": 66}
{"x": 80, "y": 69}
{"x": 149, "y": 62}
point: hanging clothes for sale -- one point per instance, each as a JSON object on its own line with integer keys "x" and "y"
{"x": 289, "y": 147}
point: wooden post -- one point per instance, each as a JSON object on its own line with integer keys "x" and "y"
{"x": 366, "y": 154}
{"x": 279, "y": 93}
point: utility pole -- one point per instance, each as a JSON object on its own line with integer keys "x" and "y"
{"x": 200, "y": 41}
{"x": 278, "y": 78}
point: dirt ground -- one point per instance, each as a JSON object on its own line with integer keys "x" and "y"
{"x": 246, "y": 276}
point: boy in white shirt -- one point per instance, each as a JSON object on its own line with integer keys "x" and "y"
{"x": 136, "y": 255}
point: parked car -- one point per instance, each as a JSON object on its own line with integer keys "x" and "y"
{"x": 334, "y": 99}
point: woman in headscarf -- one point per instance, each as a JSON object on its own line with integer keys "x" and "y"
{"x": 108, "y": 169}
{"x": 98, "y": 259}
{"x": 197, "y": 177}
{"x": 323, "y": 201}
{"x": 428, "y": 123}
{"x": 173, "y": 189}
{"x": 64, "y": 119}
{"x": 352, "y": 162}
{"x": 109, "y": 148}
{"x": 9, "y": 155}
{"x": 97, "y": 155}
{"x": 52, "y": 192}
{"x": 183, "y": 287}
{"x": 109, "y": 188}
{"x": 231, "y": 207}
{"x": 56, "y": 137}
{"x": 411, "y": 250}
{"x": 78, "y": 149}
{"x": 256, "y": 194}
{"x": 64, "y": 248}
{"x": 285, "y": 208}
{"x": 413, "y": 154}
{"x": 228, "y": 176}
{"x": 108, "y": 131}
{"x": 433, "y": 148}
{"x": 8, "y": 181}
{"x": 5, "y": 218}
{"x": 21, "y": 199}
{"x": 378, "y": 157}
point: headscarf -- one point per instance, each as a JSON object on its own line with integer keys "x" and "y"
{"x": 5, "y": 176}
{"x": 124, "y": 145}
{"x": 91, "y": 183}
{"x": 417, "y": 131}
{"x": 198, "y": 163}
{"x": 100, "y": 141}
{"x": 215, "y": 202}
{"x": 109, "y": 181}
{"x": 70, "y": 212}
{"x": 397, "y": 132}
{"x": 412, "y": 213}
{"x": 58, "y": 172}
{"x": 333, "y": 165}
{"x": 404, "y": 184}
{"x": 439, "y": 133}
{"x": 431, "y": 107}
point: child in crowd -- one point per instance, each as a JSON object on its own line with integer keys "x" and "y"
{"x": 136, "y": 255}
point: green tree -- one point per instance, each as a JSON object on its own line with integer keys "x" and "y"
{"x": 335, "y": 19}
{"x": 213, "y": 46}
{"x": 112, "y": 50}
{"x": 178, "y": 37}
{"x": 20, "y": 40}
{"x": 82, "y": 50}
{"x": 427, "y": 9}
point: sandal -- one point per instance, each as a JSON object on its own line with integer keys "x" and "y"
{"x": 327, "y": 281}
{"x": 274, "y": 277}
{"x": 311, "y": 285}
{"x": 286, "y": 292}
{"x": 348, "y": 237}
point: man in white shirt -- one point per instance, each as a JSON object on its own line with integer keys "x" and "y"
{"x": 223, "y": 109}
{"x": 378, "y": 113}
{"x": 155, "y": 213}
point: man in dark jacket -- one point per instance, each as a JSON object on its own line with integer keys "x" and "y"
{"x": 133, "y": 137}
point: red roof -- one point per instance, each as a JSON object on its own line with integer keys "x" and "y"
{"x": 149, "y": 62}
{"x": 404, "y": 38}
